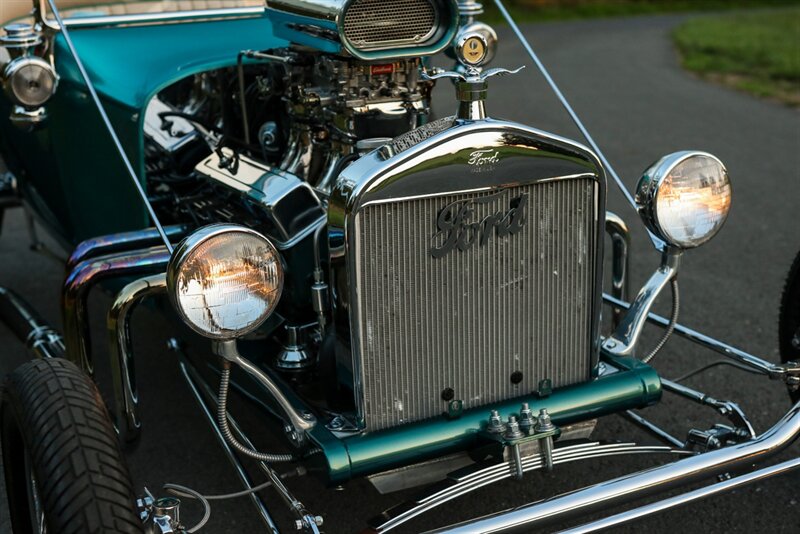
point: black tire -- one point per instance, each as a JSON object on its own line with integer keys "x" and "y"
{"x": 789, "y": 319}
{"x": 54, "y": 426}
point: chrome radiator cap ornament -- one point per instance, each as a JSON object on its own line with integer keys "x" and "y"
{"x": 472, "y": 51}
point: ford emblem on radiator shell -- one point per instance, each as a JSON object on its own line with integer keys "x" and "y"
{"x": 456, "y": 226}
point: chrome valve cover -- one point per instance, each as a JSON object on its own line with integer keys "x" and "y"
{"x": 466, "y": 268}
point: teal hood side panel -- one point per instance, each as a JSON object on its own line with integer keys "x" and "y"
{"x": 69, "y": 169}
{"x": 130, "y": 64}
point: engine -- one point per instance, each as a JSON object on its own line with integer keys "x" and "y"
{"x": 262, "y": 143}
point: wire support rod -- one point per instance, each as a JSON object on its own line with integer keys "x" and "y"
{"x": 757, "y": 364}
{"x": 193, "y": 382}
{"x": 107, "y": 122}
{"x": 574, "y": 116}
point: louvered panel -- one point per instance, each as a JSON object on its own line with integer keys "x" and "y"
{"x": 469, "y": 320}
{"x": 376, "y": 23}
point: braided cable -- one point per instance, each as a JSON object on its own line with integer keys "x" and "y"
{"x": 222, "y": 419}
{"x": 673, "y": 319}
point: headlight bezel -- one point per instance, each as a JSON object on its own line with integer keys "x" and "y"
{"x": 647, "y": 194}
{"x": 183, "y": 252}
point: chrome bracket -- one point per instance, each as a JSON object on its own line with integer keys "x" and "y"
{"x": 623, "y": 341}
{"x": 299, "y": 423}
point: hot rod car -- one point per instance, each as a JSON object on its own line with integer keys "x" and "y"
{"x": 407, "y": 297}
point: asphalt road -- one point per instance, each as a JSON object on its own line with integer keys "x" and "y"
{"x": 623, "y": 78}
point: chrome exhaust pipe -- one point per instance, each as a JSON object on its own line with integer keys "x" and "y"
{"x": 20, "y": 317}
{"x": 125, "y": 242}
{"x": 639, "y": 485}
{"x": 86, "y": 275}
{"x": 126, "y": 395}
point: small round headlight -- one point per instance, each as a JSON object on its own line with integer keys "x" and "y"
{"x": 684, "y": 198}
{"x": 30, "y": 81}
{"x": 225, "y": 280}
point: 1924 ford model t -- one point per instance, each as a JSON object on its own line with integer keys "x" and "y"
{"x": 412, "y": 300}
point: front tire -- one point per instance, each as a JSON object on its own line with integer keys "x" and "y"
{"x": 64, "y": 470}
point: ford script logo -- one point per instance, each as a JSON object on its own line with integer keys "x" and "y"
{"x": 484, "y": 157}
{"x": 458, "y": 227}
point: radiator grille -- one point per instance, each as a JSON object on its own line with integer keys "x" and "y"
{"x": 375, "y": 23}
{"x": 467, "y": 321}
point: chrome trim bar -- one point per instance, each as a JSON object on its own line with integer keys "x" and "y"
{"x": 658, "y": 243}
{"x": 107, "y": 122}
{"x": 685, "y": 498}
{"x": 126, "y": 396}
{"x": 772, "y": 370}
{"x": 77, "y": 335}
{"x": 641, "y": 484}
{"x": 459, "y": 486}
{"x": 174, "y": 16}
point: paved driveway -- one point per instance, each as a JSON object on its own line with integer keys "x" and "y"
{"x": 623, "y": 78}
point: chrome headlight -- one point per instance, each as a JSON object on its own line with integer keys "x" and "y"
{"x": 225, "y": 280}
{"x": 684, "y": 198}
{"x": 30, "y": 81}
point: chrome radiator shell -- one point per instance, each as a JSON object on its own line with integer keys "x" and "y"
{"x": 412, "y": 326}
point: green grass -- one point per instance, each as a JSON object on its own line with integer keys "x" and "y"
{"x": 758, "y": 52}
{"x": 545, "y": 10}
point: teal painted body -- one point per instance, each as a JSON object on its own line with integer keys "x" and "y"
{"x": 636, "y": 385}
{"x": 68, "y": 170}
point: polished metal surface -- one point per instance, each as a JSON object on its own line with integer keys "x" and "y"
{"x": 400, "y": 22}
{"x": 471, "y": 85}
{"x": 123, "y": 374}
{"x": 106, "y": 121}
{"x": 30, "y": 81}
{"x": 617, "y": 229}
{"x": 686, "y": 498}
{"x": 271, "y": 190}
{"x": 82, "y": 278}
{"x": 500, "y": 303}
{"x": 166, "y": 17}
{"x": 300, "y": 422}
{"x": 467, "y": 480}
{"x": 122, "y": 242}
{"x": 639, "y": 485}
{"x": 624, "y": 339}
{"x": 26, "y": 324}
{"x": 650, "y": 184}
